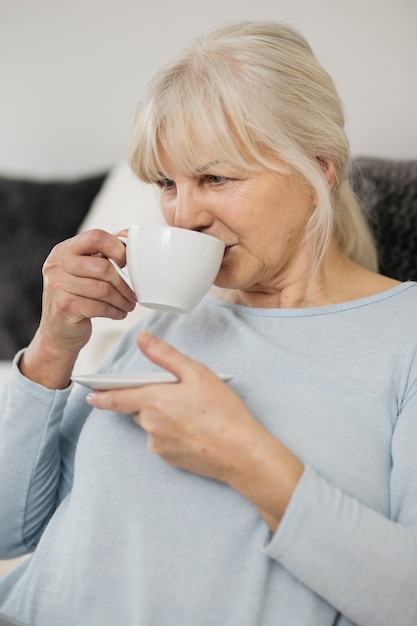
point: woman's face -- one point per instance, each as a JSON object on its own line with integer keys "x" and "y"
{"x": 260, "y": 216}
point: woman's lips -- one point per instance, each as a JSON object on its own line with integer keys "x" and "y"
{"x": 227, "y": 250}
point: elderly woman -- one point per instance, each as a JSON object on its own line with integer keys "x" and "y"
{"x": 287, "y": 496}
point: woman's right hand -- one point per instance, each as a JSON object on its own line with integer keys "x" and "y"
{"x": 79, "y": 284}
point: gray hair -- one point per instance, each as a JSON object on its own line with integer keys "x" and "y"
{"x": 253, "y": 94}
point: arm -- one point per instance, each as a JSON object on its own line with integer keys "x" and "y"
{"x": 39, "y": 431}
{"x": 362, "y": 563}
{"x": 29, "y": 461}
{"x": 367, "y": 562}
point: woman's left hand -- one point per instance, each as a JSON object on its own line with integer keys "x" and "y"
{"x": 199, "y": 424}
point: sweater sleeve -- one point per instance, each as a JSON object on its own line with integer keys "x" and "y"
{"x": 361, "y": 562}
{"x": 35, "y": 466}
{"x": 39, "y": 431}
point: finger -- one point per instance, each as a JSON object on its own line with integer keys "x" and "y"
{"x": 99, "y": 242}
{"x": 84, "y": 256}
{"x": 106, "y": 277}
{"x": 90, "y": 301}
{"x": 109, "y": 400}
{"x": 129, "y": 401}
{"x": 167, "y": 357}
{"x": 66, "y": 286}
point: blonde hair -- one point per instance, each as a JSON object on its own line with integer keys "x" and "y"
{"x": 253, "y": 94}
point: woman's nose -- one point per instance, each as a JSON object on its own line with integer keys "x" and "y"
{"x": 190, "y": 210}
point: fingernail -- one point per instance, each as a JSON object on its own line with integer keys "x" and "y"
{"x": 147, "y": 339}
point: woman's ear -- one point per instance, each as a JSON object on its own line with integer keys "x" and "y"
{"x": 328, "y": 167}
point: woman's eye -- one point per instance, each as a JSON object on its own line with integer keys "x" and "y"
{"x": 165, "y": 183}
{"x": 216, "y": 180}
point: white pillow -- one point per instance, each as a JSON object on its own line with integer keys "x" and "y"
{"x": 5, "y": 368}
{"x": 122, "y": 201}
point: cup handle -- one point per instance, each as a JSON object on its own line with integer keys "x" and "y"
{"x": 123, "y": 273}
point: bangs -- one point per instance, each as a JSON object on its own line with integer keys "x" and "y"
{"x": 196, "y": 115}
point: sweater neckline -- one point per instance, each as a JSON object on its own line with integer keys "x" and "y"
{"x": 314, "y": 311}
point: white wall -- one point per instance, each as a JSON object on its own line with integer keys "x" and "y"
{"x": 71, "y": 71}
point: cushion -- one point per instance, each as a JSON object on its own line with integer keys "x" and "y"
{"x": 123, "y": 200}
{"x": 34, "y": 216}
{"x": 388, "y": 191}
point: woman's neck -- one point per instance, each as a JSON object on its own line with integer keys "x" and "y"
{"x": 338, "y": 279}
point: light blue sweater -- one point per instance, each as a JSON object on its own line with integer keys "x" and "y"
{"x": 123, "y": 538}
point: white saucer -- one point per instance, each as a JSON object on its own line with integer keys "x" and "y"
{"x": 102, "y": 382}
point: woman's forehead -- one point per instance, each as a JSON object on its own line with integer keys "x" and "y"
{"x": 193, "y": 158}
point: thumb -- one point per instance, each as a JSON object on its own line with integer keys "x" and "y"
{"x": 165, "y": 355}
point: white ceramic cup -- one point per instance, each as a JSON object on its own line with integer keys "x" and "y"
{"x": 170, "y": 268}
